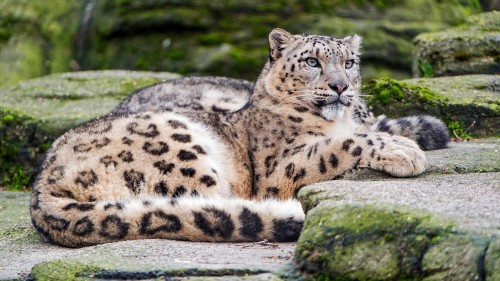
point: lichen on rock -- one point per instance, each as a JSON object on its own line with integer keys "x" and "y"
{"x": 471, "y": 48}
{"x": 382, "y": 242}
{"x": 468, "y": 104}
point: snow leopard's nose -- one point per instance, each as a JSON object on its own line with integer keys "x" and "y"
{"x": 339, "y": 88}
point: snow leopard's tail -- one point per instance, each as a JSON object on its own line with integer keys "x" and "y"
{"x": 67, "y": 222}
{"x": 429, "y": 132}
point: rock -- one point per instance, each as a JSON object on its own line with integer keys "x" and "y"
{"x": 471, "y": 48}
{"x": 434, "y": 228}
{"x": 173, "y": 35}
{"x": 465, "y": 157}
{"x": 35, "y": 112}
{"x": 148, "y": 259}
{"x": 492, "y": 261}
{"x": 438, "y": 226}
{"x": 36, "y": 38}
{"x": 468, "y": 104}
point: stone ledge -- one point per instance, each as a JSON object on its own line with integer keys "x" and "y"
{"x": 61, "y": 101}
{"x": 476, "y": 156}
{"x": 468, "y": 49}
{"x": 438, "y": 227}
{"x": 470, "y": 199}
{"x": 443, "y": 186}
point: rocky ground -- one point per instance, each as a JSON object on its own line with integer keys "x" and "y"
{"x": 443, "y": 225}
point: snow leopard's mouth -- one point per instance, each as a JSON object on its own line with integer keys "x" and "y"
{"x": 322, "y": 103}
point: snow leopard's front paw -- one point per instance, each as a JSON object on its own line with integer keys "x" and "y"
{"x": 398, "y": 156}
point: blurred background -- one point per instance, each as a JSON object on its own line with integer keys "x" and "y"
{"x": 217, "y": 37}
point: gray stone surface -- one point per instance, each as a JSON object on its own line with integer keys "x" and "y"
{"x": 470, "y": 200}
{"x": 477, "y": 156}
{"x": 466, "y": 157}
{"x": 60, "y": 101}
{"x": 471, "y": 48}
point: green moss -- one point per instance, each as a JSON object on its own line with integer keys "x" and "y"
{"x": 471, "y": 103}
{"x": 425, "y": 69}
{"x": 75, "y": 270}
{"x": 18, "y": 231}
{"x": 127, "y": 34}
{"x": 470, "y": 48}
{"x": 40, "y": 38}
{"x": 457, "y": 129}
{"x": 368, "y": 242}
{"x": 62, "y": 270}
{"x": 213, "y": 38}
{"x": 386, "y": 90}
{"x": 21, "y": 58}
{"x": 176, "y": 54}
{"x": 454, "y": 258}
{"x": 492, "y": 261}
{"x": 15, "y": 177}
{"x": 19, "y": 145}
{"x": 466, "y": 115}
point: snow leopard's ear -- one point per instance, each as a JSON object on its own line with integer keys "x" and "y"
{"x": 353, "y": 42}
{"x": 278, "y": 40}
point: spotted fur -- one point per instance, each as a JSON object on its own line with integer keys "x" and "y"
{"x": 219, "y": 176}
{"x": 209, "y": 94}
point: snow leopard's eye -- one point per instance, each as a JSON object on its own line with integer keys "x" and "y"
{"x": 312, "y": 62}
{"x": 349, "y": 63}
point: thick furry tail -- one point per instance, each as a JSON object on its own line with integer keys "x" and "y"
{"x": 429, "y": 132}
{"x": 67, "y": 222}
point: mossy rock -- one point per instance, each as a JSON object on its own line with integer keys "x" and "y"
{"x": 375, "y": 242}
{"x": 36, "y": 38}
{"x": 175, "y": 35}
{"x": 471, "y": 48}
{"x": 469, "y": 104}
{"x": 63, "y": 270}
{"x": 492, "y": 261}
{"x": 434, "y": 227}
{"x": 34, "y": 112}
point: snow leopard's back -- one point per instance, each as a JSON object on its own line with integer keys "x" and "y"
{"x": 209, "y": 94}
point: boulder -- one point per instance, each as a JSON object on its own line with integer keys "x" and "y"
{"x": 471, "y": 48}
{"x": 34, "y": 112}
{"x": 468, "y": 104}
{"x": 442, "y": 225}
{"x": 437, "y": 227}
